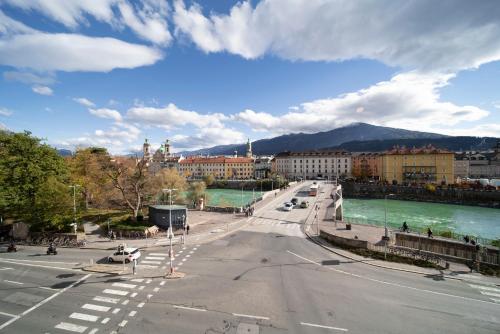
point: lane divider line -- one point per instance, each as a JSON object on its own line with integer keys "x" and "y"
{"x": 325, "y": 327}
{"x": 250, "y": 316}
{"x": 190, "y": 308}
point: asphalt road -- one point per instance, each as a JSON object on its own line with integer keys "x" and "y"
{"x": 266, "y": 277}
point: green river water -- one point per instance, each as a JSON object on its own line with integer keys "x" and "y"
{"x": 230, "y": 197}
{"x": 471, "y": 220}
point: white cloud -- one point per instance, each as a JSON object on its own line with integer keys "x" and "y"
{"x": 5, "y": 112}
{"x": 29, "y": 78}
{"x": 9, "y": 26}
{"x": 106, "y": 113}
{"x": 3, "y": 127}
{"x": 42, "y": 90}
{"x": 72, "y": 52}
{"x": 148, "y": 22}
{"x": 147, "y": 19}
{"x": 112, "y": 102}
{"x": 481, "y": 130}
{"x": 417, "y": 34}
{"x": 207, "y": 137}
{"x": 409, "y": 100}
{"x": 171, "y": 116}
{"x": 84, "y": 102}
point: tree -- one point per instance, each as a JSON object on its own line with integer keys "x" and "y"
{"x": 209, "y": 179}
{"x": 86, "y": 168}
{"x": 171, "y": 179}
{"x": 196, "y": 191}
{"x": 132, "y": 179}
{"x": 26, "y": 168}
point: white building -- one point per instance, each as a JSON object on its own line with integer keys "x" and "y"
{"x": 312, "y": 164}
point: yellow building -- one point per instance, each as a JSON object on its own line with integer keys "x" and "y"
{"x": 418, "y": 165}
{"x": 219, "y": 167}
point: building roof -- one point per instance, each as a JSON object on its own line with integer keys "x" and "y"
{"x": 314, "y": 153}
{"x": 429, "y": 149}
{"x": 214, "y": 160}
{"x": 168, "y": 207}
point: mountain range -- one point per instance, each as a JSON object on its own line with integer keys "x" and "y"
{"x": 357, "y": 137}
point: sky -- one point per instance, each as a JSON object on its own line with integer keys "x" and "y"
{"x": 111, "y": 73}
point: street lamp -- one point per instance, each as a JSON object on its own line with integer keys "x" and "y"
{"x": 184, "y": 226}
{"x": 74, "y": 204}
{"x": 386, "y": 235}
{"x": 170, "y": 235}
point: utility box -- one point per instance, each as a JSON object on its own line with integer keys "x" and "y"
{"x": 160, "y": 215}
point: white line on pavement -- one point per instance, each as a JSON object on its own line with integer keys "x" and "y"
{"x": 125, "y": 302}
{"x": 123, "y": 323}
{"x": 106, "y": 299}
{"x": 116, "y": 310}
{"x": 151, "y": 262}
{"x": 496, "y": 300}
{"x": 188, "y": 255}
{"x": 190, "y": 308}
{"x": 8, "y": 314}
{"x": 133, "y": 295}
{"x": 36, "y": 261}
{"x": 158, "y": 254}
{"x": 34, "y": 307}
{"x": 325, "y": 327}
{"x": 139, "y": 280}
{"x": 5, "y": 268}
{"x": 47, "y": 288}
{"x": 146, "y": 266}
{"x": 156, "y": 289}
{"x": 115, "y": 292}
{"x": 390, "y": 283}
{"x": 71, "y": 327}
{"x": 140, "y": 305}
{"x": 492, "y": 294}
{"x": 105, "y": 321}
{"x": 132, "y": 313}
{"x": 83, "y": 316}
{"x": 94, "y": 307}
{"x": 149, "y": 280}
{"x": 13, "y": 282}
{"x": 483, "y": 287}
{"x": 93, "y": 331}
{"x": 155, "y": 258}
{"x": 184, "y": 260}
{"x": 162, "y": 283}
{"x": 124, "y": 285}
{"x": 142, "y": 287}
{"x": 38, "y": 265}
{"x": 149, "y": 296}
{"x": 250, "y": 316}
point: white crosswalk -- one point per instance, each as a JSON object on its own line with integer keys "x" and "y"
{"x": 492, "y": 292}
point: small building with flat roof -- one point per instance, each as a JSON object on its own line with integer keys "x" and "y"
{"x": 159, "y": 215}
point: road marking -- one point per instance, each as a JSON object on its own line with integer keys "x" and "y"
{"x": 158, "y": 254}
{"x": 124, "y": 285}
{"x": 115, "y": 292}
{"x": 71, "y": 327}
{"x": 146, "y": 266}
{"x": 483, "y": 287}
{"x": 13, "y": 282}
{"x": 139, "y": 280}
{"x": 133, "y": 295}
{"x": 156, "y": 289}
{"x": 326, "y": 327}
{"x": 149, "y": 280}
{"x": 191, "y": 252}
{"x": 123, "y": 323}
{"x": 93, "y": 331}
{"x": 72, "y": 263}
{"x": 142, "y": 287}
{"x": 390, "y": 283}
{"x": 140, "y": 305}
{"x": 164, "y": 267}
{"x": 250, "y": 316}
{"x": 132, "y": 313}
{"x": 180, "y": 252}
{"x": 184, "y": 260}
{"x": 5, "y": 324}
{"x": 496, "y": 300}
{"x": 5, "y": 268}
{"x": 83, "y": 316}
{"x": 492, "y": 294}
{"x": 155, "y": 258}
{"x": 188, "y": 255}
{"x": 190, "y": 308}
{"x": 151, "y": 262}
{"x": 106, "y": 299}
{"x": 180, "y": 264}
{"x": 149, "y": 296}
{"x": 162, "y": 283}
{"x": 8, "y": 314}
{"x": 47, "y": 288}
{"x": 38, "y": 265}
{"x": 116, "y": 310}
{"x": 94, "y": 307}
{"x": 125, "y": 302}
{"x": 105, "y": 321}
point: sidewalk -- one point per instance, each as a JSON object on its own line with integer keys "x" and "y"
{"x": 373, "y": 234}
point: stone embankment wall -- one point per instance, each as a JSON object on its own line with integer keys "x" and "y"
{"x": 454, "y": 250}
{"x": 344, "y": 242}
{"x": 446, "y": 195}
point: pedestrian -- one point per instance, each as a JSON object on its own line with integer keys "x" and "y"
{"x": 429, "y": 232}
{"x": 466, "y": 239}
{"x": 187, "y": 229}
{"x": 472, "y": 242}
{"x": 134, "y": 266}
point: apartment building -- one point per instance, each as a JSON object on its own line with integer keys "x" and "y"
{"x": 219, "y": 167}
{"x": 367, "y": 165}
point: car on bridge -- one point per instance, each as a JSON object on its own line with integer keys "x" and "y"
{"x": 287, "y": 206}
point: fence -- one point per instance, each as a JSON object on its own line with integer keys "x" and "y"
{"x": 414, "y": 254}
{"x": 446, "y": 233}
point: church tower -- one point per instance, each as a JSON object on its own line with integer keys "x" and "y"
{"x": 146, "y": 152}
{"x": 249, "y": 149}
{"x": 167, "y": 148}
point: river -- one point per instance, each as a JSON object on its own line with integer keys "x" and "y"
{"x": 471, "y": 220}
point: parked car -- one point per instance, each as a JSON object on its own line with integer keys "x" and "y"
{"x": 287, "y": 206}
{"x": 304, "y": 204}
{"x": 129, "y": 254}
{"x": 294, "y": 201}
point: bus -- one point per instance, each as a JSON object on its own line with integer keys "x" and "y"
{"x": 313, "y": 191}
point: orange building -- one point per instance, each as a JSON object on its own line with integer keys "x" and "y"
{"x": 219, "y": 167}
{"x": 367, "y": 165}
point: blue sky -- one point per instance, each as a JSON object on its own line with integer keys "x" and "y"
{"x": 114, "y": 72}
